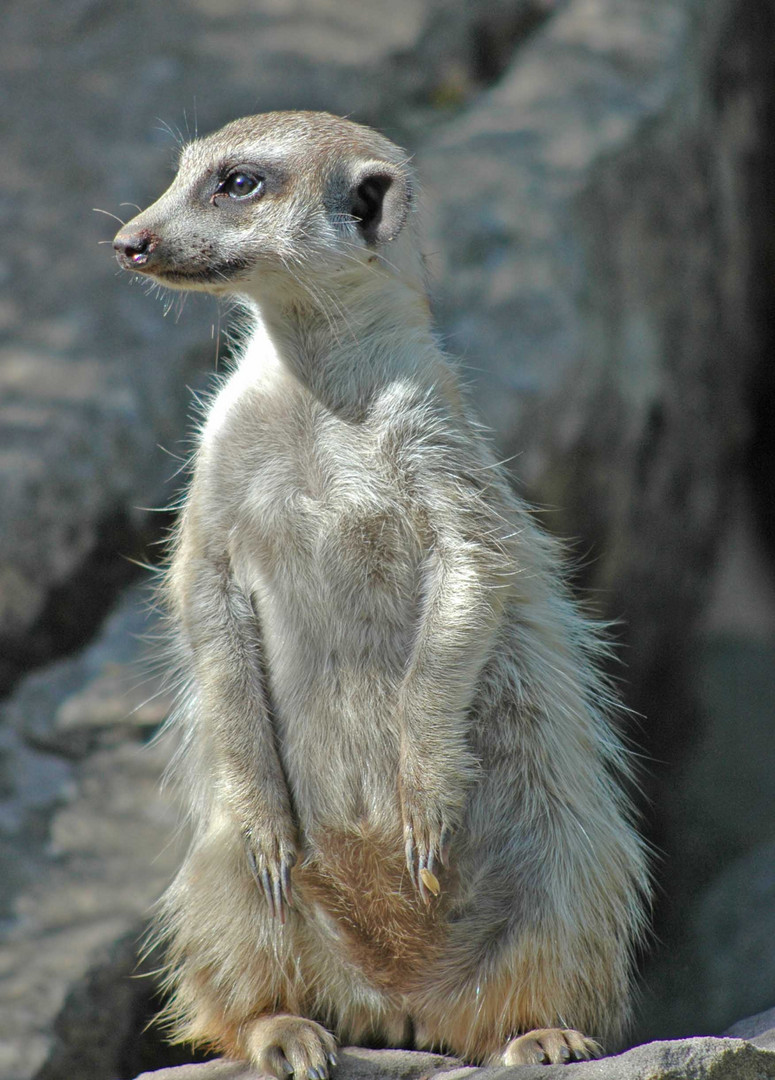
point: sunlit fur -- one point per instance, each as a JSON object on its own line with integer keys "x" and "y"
{"x": 375, "y": 637}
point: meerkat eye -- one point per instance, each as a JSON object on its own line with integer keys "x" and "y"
{"x": 241, "y": 184}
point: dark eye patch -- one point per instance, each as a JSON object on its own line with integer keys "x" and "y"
{"x": 238, "y": 181}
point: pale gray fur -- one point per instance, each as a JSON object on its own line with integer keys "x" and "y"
{"x": 389, "y": 686}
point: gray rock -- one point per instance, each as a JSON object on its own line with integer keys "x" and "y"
{"x": 734, "y": 677}
{"x": 732, "y": 934}
{"x": 79, "y": 454}
{"x": 209, "y": 1070}
{"x": 687, "y": 1059}
{"x": 717, "y": 810}
{"x": 353, "y": 1063}
{"x": 583, "y": 243}
{"x": 90, "y": 853}
{"x": 759, "y": 1029}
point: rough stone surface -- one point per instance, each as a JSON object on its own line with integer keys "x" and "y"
{"x": 685, "y": 1059}
{"x": 759, "y": 1029}
{"x": 716, "y": 809}
{"x": 588, "y": 286}
{"x": 733, "y": 928}
{"x": 78, "y": 457}
{"x": 105, "y": 846}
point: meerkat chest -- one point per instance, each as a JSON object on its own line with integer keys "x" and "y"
{"x": 313, "y": 502}
{"x": 329, "y": 511}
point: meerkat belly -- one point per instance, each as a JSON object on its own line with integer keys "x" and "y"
{"x": 337, "y": 621}
{"x": 336, "y": 593}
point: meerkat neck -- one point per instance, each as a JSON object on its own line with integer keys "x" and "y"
{"x": 346, "y": 339}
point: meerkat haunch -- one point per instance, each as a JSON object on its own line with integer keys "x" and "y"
{"x": 408, "y": 820}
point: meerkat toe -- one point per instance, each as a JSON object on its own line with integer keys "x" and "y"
{"x": 583, "y": 1048}
{"x": 549, "y": 1046}
{"x": 283, "y": 1045}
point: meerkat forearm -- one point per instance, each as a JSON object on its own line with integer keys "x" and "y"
{"x": 454, "y": 636}
{"x": 227, "y": 662}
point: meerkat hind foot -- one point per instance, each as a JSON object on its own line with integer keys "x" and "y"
{"x": 549, "y": 1046}
{"x": 283, "y": 1045}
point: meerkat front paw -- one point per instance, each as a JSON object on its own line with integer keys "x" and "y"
{"x": 427, "y": 835}
{"x": 549, "y": 1046}
{"x": 283, "y": 1045}
{"x": 271, "y": 859}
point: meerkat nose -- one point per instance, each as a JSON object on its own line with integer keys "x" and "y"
{"x": 134, "y": 248}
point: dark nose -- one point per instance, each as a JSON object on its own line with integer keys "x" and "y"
{"x": 134, "y": 249}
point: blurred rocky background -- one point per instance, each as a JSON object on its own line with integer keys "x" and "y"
{"x": 598, "y": 203}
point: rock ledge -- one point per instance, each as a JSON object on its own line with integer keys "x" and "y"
{"x": 683, "y": 1059}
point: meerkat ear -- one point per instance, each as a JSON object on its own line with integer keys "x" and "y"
{"x": 379, "y": 201}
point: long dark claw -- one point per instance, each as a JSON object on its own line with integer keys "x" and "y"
{"x": 278, "y": 907}
{"x": 261, "y": 878}
{"x": 266, "y": 885}
{"x": 270, "y": 864}
{"x": 286, "y": 881}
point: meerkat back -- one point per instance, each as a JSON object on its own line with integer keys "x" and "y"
{"x": 405, "y": 790}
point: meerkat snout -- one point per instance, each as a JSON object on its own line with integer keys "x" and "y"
{"x": 134, "y": 249}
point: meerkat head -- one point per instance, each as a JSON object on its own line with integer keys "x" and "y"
{"x": 268, "y": 196}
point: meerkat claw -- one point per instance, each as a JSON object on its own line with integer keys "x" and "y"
{"x": 273, "y": 877}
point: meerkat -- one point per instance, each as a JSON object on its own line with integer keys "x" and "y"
{"x": 405, "y": 788}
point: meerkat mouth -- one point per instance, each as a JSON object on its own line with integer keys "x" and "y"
{"x": 224, "y": 273}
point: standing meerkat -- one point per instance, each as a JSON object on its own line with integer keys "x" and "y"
{"x": 408, "y": 823}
